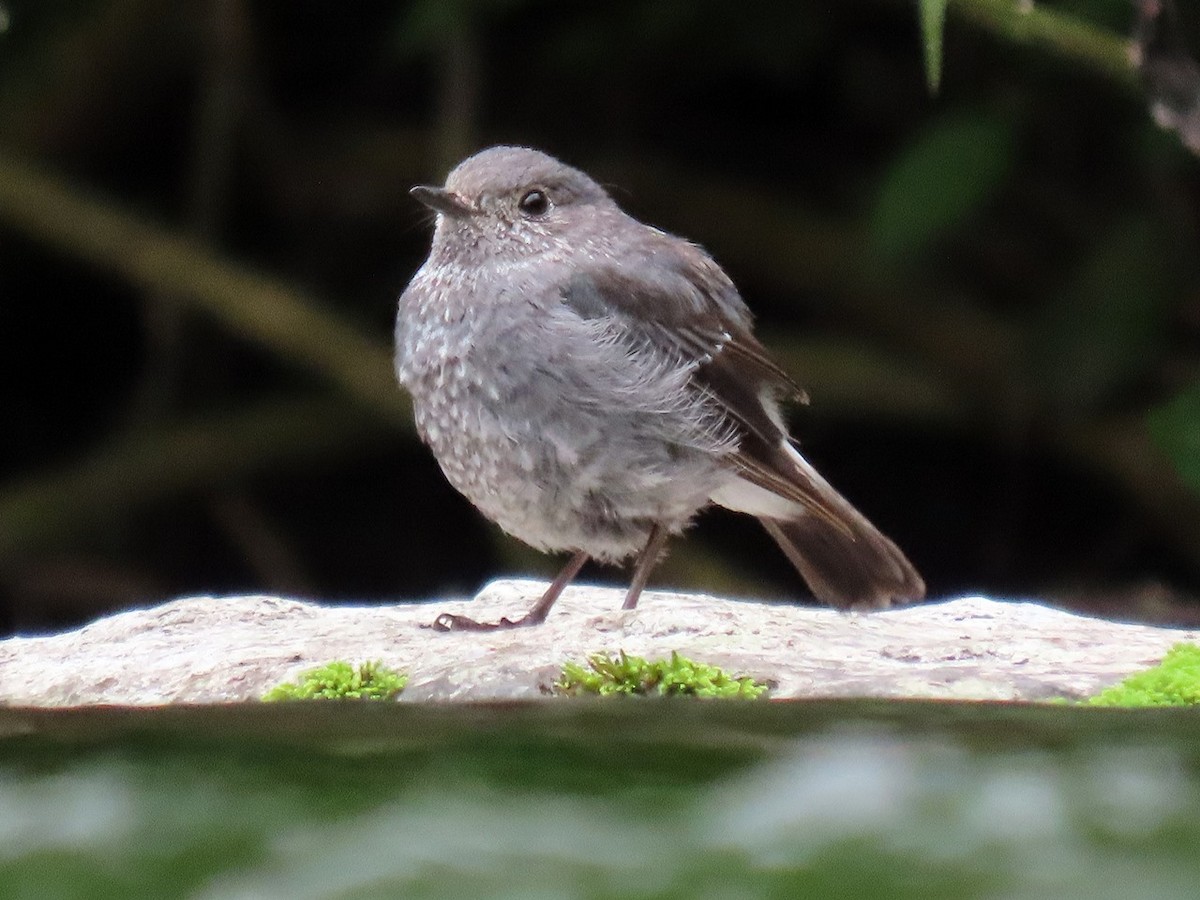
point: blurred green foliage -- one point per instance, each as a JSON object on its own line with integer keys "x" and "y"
{"x": 675, "y": 801}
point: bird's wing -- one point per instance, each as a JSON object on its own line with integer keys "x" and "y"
{"x": 680, "y": 303}
{"x": 683, "y": 305}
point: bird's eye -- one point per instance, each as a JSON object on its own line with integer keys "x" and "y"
{"x": 534, "y": 203}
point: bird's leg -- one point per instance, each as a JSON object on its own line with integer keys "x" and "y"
{"x": 450, "y": 622}
{"x": 646, "y": 562}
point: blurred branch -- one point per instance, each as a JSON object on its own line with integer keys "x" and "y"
{"x": 458, "y": 94}
{"x": 932, "y": 18}
{"x": 258, "y": 307}
{"x": 1027, "y": 23}
{"x": 225, "y": 70}
{"x": 218, "y": 113}
{"x": 141, "y": 467}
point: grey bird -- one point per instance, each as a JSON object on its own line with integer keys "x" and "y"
{"x": 590, "y": 383}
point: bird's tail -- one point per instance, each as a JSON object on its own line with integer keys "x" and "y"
{"x": 846, "y": 561}
{"x": 858, "y": 568}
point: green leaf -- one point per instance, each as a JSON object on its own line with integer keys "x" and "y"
{"x": 938, "y": 181}
{"x": 1175, "y": 428}
{"x": 933, "y": 23}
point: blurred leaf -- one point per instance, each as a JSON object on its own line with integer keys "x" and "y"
{"x": 1106, "y": 328}
{"x": 933, "y": 23}
{"x": 938, "y": 181}
{"x": 1175, "y": 428}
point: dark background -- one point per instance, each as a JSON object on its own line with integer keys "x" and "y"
{"x": 204, "y": 224}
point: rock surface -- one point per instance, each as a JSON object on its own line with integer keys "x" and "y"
{"x": 212, "y": 650}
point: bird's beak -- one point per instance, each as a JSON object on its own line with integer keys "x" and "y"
{"x": 441, "y": 200}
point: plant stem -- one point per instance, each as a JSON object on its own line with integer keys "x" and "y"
{"x": 1024, "y": 22}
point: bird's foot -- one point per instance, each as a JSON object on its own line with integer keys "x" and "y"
{"x": 452, "y": 622}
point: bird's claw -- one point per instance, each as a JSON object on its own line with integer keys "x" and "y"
{"x": 452, "y": 622}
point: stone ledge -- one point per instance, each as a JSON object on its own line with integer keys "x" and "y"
{"x": 229, "y": 649}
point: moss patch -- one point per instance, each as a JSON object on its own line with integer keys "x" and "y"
{"x": 340, "y": 680}
{"x": 679, "y": 675}
{"x": 1173, "y": 682}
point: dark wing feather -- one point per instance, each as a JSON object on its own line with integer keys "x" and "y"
{"x": 686, "y": 306}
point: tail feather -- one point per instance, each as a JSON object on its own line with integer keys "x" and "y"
{"x": 845, "y": 559}
{"x": 864, "y": 570}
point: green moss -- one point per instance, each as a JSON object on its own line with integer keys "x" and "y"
{"x": 1173, "y": 682}
{"x": 624, "y": 674}
{"x": 340, "y": 680}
